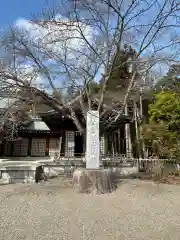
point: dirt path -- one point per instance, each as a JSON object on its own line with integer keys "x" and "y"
{"x": 50, "y": 211}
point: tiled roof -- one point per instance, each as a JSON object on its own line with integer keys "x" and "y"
{"x": 37, "y": 125}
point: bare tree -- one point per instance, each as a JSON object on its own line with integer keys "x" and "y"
{"x": 87, "y": 42}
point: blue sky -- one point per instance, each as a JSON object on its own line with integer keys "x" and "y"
{"x": 11, "y": 10}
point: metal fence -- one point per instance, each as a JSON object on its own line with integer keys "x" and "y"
{"x": 120, "y": 164}
{"x": 118, "y": 161}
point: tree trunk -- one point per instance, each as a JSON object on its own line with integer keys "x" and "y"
{"x": 76, "y": 120}
{"x": 128, "y": 137}
{"x": 141, "y": 115}
{"x": 60, "y": 144}
{"x": 96, "y": 181}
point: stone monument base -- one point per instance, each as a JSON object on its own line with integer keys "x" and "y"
{"x": 96, "y": 181}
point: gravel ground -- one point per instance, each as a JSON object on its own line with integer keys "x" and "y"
{"x": 50, "y": 211}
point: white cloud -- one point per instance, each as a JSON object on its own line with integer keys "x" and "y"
{"x": 30, "y": 74}
{"x": 58, "y": 36}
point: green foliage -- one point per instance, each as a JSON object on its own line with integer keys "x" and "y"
{"x": 166, "y": 108}
{"x": 160, "y": 140}
{"x": 161, "y": 134}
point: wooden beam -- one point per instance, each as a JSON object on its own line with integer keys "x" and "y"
{"x": 29, "y": 146}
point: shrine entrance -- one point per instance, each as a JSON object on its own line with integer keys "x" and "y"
{"x": 79, "y": 141}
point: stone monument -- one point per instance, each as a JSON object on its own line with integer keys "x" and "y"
{"x": 92, "y": 140}
{"x": 93, "y": 179}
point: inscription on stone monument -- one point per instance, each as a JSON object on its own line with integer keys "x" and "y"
{"x": 92, "y": 140}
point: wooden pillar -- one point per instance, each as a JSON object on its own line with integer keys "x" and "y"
{"x": 47, "y": 146}
{"x": 2, "y": 148}
{"x": 128, "y": 136}
{"x": 119, "y": 141}
{"x": 29, "y": 146}
{"x": 84, "y": 142}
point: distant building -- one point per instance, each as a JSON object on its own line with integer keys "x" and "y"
{"x": 54, "y": 135}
